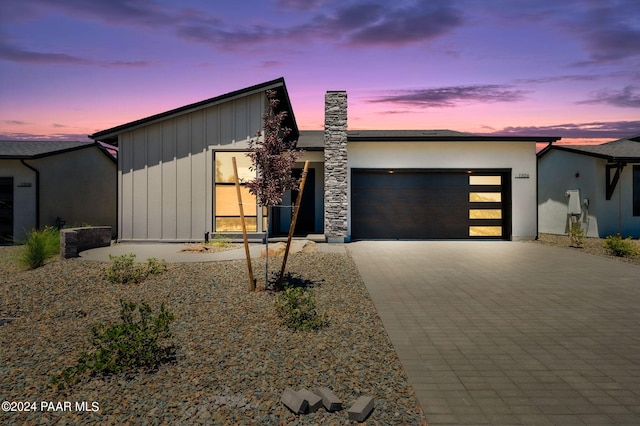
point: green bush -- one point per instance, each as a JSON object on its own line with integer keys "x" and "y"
{"x": 40, "y": 246}
{"x": 133, "y": 344}
{"x": 617, "y": 246}
{"x": 220, "y": 241}
{"x": 124, "y": 269}
{"x": 296, "y": 307}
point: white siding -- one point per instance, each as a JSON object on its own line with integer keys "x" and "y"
{"x": 519, "y": 157}
{"x": 166, "y": 168}
{"x": 560, "y": 171}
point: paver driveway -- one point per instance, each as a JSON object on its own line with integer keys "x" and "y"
{"x": 510, "y": 332}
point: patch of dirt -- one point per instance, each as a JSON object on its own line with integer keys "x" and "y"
{"x": 595, "y": 246}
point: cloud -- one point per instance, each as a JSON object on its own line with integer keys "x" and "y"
{"x": 300, "y": 4}
{"x": 559, "y": 78}
{"x": 15, "y": 122}
{"x": 450, "y": 96}
{"x": 13, "y": 53}
{"x": 596, "y": 129}
{"x": 629, "y": 97}
{"x": 372, "y": 24}
{"x": 610, "y": 30}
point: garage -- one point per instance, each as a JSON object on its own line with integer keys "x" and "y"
{"x": 430, "y": 204}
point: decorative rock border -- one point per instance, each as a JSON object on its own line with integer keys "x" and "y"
{"x": 304, "y": 402}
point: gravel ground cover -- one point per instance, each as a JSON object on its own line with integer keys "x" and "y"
{"x": 233, "y": 361}
{"x": 593, "y": 246}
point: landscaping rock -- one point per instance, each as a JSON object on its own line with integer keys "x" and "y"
{"x": 361, "y": 409}
{"x": 297, "y": 246}
{"x": 329, "y": 400}
{"x": 294, "y": 402}
{"x": 314, "y": 401}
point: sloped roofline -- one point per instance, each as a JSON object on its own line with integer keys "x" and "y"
{"x": 577, "y": 150}
{"x": 110, "y": 135}
{"x": 56, "y": 148}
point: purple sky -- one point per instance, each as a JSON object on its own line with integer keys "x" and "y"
{"x": 568, "y": 68}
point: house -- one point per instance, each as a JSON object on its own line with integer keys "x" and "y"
{"x": 597, "y": 186}
{"x": 175, "y": 177}
{"x": 52, "y": 183}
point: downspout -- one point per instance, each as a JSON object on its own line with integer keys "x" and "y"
{"x": 37, "y": 191}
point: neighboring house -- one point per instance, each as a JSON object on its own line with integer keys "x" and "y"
{"x": 175, "y": 177}
{"x": 51, "y": 183}
{"x": 597, "y": 186}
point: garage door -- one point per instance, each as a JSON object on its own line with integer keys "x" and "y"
{"x": 428, "y": 204}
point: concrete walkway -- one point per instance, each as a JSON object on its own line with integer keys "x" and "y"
{"x": 510, "y": 332}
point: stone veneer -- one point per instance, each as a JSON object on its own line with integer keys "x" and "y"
{"x": 335, "y": 166}
{"x": 75, "y": 240}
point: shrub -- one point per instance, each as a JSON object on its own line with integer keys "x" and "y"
{"x": 617, "y": 246}
{"x": 296, "y": 307}
{"x": 220, "y": 241}
{"x": 133, "y": 344}
{"x": 124, "y": 270}
{"x": 576, "y": 234}
{"x": 40, "y": 246}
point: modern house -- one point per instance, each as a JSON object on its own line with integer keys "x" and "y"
{"x": 52, "y": 183}
{"x": 175, "y": 177}
{"x": 597, "y": 186}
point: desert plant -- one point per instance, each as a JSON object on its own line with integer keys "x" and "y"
{"x": 40, "y": 246}
{"x": 220, "y": 240}
{"x": 296, "y": 307}
{"x": 576, "y": 234}
{"x": 124, "y": 269}
{"x": 133, "y": 344}
{"x": 618, "y": 246}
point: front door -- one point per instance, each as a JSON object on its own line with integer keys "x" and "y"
{"x": 6, "y": 210}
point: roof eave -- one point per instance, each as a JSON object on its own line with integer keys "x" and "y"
{"x": 541, "y": 139}
{"x": 110, "y": 135}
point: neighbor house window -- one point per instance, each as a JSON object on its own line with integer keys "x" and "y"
{"x": 636, "y": 190}
{"x": 227, "y": 210}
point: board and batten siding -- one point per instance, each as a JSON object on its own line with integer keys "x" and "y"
{"x": 165, "y": 178}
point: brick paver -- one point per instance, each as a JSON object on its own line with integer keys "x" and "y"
{"x": 510, "y": 332}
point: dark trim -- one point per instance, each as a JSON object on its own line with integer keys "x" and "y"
{"x": 471, "y": 138}
{"x": 111, "y": 135}
{"x": 611, "y": 183}
{"x": 565, "y": 148}
{"x": 37, "y": 172}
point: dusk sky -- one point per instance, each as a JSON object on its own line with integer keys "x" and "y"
{"x": 568, "y": 68}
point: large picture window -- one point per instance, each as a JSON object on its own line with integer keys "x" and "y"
{"x": 227, "y": 210}
{"x": 636, "y": 190}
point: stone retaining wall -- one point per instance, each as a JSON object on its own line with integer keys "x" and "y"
{"x": 75, "y": 240}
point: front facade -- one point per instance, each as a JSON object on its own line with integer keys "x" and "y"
{"x": 44, "y": 183}
{"x": 175, "y": 177}
{"x": 595, "y": 186}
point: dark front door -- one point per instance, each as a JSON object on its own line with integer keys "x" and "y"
{"x": 6, "y": 210}
{"x": 306, "y": 221}
{"x": 427, "y": 204}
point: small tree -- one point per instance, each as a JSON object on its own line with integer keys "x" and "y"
{"x": 273, "y": 157}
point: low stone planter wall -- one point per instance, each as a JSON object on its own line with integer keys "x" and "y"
{"x": 75, "y": 240}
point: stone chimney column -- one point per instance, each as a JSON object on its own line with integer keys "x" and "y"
{"x": 335, "y": 166}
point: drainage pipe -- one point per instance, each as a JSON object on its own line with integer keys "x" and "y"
{"x": 37, "y": 191}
